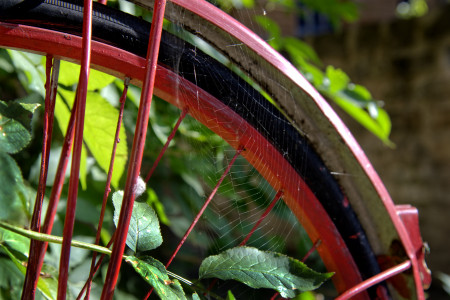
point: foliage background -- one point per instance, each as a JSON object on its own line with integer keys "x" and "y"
{"x": 353, "y": 99}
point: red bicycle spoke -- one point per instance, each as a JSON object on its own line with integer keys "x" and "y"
{"x": 136, "y": 151}
{"x": 96, "y": 267}
{"x": 205, "y": 205}
{"x": 375, "y": 279}
{"x": 166, "y": 145}
{"x": 54, "y": 197}
{"x": 274, "y": 296}
{"x": 202, "y": 210}
{"x": 263, "y": 216}
{"x": 32, "y": 274}
{"x": 277, "y": 197}
{"x": 76, "y": 157}
{"x": 313, "y": 248}
{"x": 108, "y": 184}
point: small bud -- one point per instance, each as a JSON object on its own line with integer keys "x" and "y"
{"x": 140, "y": 186}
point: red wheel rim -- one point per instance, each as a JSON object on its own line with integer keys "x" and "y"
{"x": 269, "y": 163}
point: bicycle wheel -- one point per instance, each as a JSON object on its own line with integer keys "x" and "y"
{"x": 307, "y": 152}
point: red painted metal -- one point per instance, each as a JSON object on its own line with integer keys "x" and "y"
{"x": 76, "y": 156}
{"x": 256, "y": 44}
{"x": 410, "y": 217}
{"x": 97, "y": 266}
{"x": 274, "y": 296}
{"x": 208, "y": 111}
{"x": 54, "y": 197}
{"x": 32, "y": 273}
{"x": 136, "y": 151}
{"x": 310, "y": 251}
{"x": 166, "y": 145}
{"x": 374, "y": 280}
{"x": 263, "y": 216}
{"x": 107, "y": 185}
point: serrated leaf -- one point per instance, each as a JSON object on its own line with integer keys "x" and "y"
{"x": 15, "y": 129}
{"x": 261, "y": 269}
{"x": 13, "y": 136}
{"x": 155, "y": 274}
{"x": 144, "y": 232}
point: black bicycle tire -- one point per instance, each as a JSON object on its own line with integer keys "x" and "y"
{"x": 130, "y": 33}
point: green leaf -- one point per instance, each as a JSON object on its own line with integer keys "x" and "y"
{"x": 260, "y": 269}
{"x": 47, "y": 285}
{"x": 100, "y": 127}
{"x": 12, "y": 187}
{"x": 312, "y": 73}
{"x": 296, "y": 47}
{"x": 153, "y": 201}
{"x": 380, "y": 127}
{"x": 144, "y": 232}
{"x": 62, "y": 114}
{"x": 30, "y": 65}
{"x": 69, "y": 75}
{"x": 337, "y": 79}
{"x": 99, "y": 132}
{"x": 273, "y": 29}
{"x": 15, "y": 241}
{"x": 155, "y": 274}
{"x": 11, "y": 279}
{"x": 15, "y": 129}
{"x": 230, "y": 296}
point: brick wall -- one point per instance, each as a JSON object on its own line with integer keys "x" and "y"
{"x": 406, "y": 63}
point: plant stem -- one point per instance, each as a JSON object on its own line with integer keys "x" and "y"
{"x": 53, "y": 239}
{"x": 58, "y": 240}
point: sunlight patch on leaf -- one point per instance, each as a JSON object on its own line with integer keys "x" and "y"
{"x": 337, "y": 79}
{"x": 69, "y": 75}
{"x": 99, "y": 131}
{"x": 62, "y": 115}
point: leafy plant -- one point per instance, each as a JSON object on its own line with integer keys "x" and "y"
{"x": 15, "y": 134}
{"x": 333, "y": 83}
{"x": 178, "y": 186}
{"x": 145, "y": 230}
{"x": 261, "y": 269}
{"x": 255, "y": 268}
